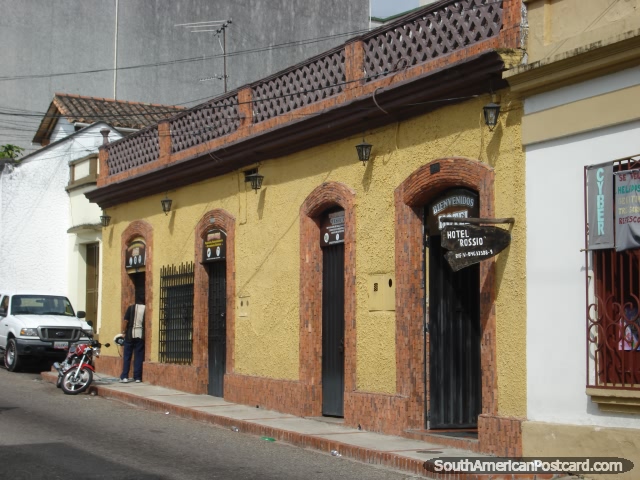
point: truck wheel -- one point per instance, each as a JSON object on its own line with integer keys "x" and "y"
{"x": 11, "y": 359}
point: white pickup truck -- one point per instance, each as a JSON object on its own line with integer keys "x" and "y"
{"x": 38, "y": 326}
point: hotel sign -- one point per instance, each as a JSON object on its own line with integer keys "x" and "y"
{"x": 332, "y": 229}
{"x": 135, "y": 256}
{"x": 470, "y": 244}
{"x": 458, "y": 203}
{"x": 214, "y": 246}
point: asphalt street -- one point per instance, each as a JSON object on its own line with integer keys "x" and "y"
{"x": 45, "y": 434}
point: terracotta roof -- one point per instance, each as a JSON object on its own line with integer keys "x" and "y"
{"x": 117, "y": 113}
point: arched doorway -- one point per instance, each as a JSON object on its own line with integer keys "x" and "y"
{"x": 214, "y": 257}
{"x": 214, "y": 296}
{"x": 331, "y": 200}
{"x": 413, "y": 195}
{"x": 453, "y": 320}
{"x": 136, "y": 279}
{"x": 332, "y": 244}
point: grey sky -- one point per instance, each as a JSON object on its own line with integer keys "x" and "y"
{"x": 386, "y": 8}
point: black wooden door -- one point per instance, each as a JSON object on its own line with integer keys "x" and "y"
{"x": 138, "y": 285}
{"x": 454, "y": 342}
{"x": 217, "y": 327}
{"x": 333, "y": 330}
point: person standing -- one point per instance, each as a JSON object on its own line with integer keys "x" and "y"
{"x": 133, "y": 330}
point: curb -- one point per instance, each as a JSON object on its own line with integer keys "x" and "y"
{"x": 360, "y": 454}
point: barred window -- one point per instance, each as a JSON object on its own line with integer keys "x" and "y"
{"x": 613, "y": 322}
{"x": 176, "y": 313}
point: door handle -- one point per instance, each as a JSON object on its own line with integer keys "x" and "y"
{"x": 341, "y": 347}
{"x": 222, "y": 315}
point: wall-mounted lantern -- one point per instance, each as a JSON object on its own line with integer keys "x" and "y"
{"x": 491, "y": 112}
{"x": 166, "y": 204}
{"x": 364, "y": 152}
{"x": 105, "y": 219}
{"x": 254, "y": 178}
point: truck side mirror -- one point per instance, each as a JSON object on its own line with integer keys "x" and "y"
{"x": 82, "y": 314}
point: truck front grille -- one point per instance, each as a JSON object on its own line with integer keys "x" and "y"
{"x": 60, "y": 334}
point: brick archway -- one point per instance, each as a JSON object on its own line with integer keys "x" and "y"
{"x": 218, "y": 219}
{"x": 135, "y": 230}
{"x": 325, "y": 196}
{"x": 410, "y": 197}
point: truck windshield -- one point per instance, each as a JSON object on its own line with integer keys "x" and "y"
{"x": 41, "y": 305}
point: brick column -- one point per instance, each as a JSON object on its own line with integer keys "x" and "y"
{"x": 245, "y": 107}
{"x": 164, "y": 141}
{"x": 103, "y": 171}
{"x": 511, "y": 24}
{"x": 354, "y": 67}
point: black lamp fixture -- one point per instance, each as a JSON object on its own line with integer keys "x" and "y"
{"x": 364, "y": 152}
{"x": 166, "y": 204}
{"x": 105, "y": 219}
{"x": 491, "y": 112}
{"x": 254, "y": 178}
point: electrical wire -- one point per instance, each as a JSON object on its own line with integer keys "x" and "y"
{"x": 186, "y": 60}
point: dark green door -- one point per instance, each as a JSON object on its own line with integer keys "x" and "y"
{"x": 454, "y": 342}
{"x": 333, "y": 330}
{"x": 217, "y": 327}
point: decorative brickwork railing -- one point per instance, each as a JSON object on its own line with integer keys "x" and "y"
{"x": 300, "y": 86}
{"x": 443, "y": 28}
{"x": 133, "y": 151}
{"x": 216, "y": 118}
{"x": 432, "y": 34}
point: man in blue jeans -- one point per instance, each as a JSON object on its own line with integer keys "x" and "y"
{"x": 132, "y": 328}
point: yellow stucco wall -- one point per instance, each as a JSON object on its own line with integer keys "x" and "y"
{"x": 267, "y": 241}
{"x": 555, "y": 28}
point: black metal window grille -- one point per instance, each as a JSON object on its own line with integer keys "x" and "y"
{"x": 176, "y": 313}
{"x": 613, "y": 306}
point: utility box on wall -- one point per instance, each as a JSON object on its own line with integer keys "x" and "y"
{"x": 382, "y": 292}
{"x": 242, "y": 305}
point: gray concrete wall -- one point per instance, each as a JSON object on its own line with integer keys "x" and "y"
{"x": 39, "y": 38}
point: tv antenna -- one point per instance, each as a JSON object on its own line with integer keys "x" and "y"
{"x": 218, "y": 27}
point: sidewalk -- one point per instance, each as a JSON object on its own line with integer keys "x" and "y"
{"x": 319, "y": 434}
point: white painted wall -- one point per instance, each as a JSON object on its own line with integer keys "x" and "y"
{"x": 556, "y": 317}
{"x": 36, "y": 252}
{"x": 62, "y": 130}
{"x": 82, "y": 211}
{"x": 35, "y": 218}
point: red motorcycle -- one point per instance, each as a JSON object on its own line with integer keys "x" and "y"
{"x": 75, "y": 374}
{"x": 62, "y": 367}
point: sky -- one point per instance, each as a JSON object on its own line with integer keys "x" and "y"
{"x": 386, "y": 8}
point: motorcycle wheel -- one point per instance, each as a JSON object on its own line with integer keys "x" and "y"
{"x": 74, "y": 386}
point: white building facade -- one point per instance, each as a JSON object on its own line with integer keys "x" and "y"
{"x": 49, "y": 228}
{"x": 581, "y": 91}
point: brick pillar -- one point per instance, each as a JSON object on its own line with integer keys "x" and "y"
{"x": 354, "y": 65}
{"x": 103, "y": 170}
{"x": 511, "y": 24}
{"x": 245, "y": 107}
{"x": 164, "y": 140}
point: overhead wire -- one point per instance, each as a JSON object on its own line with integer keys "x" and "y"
{"x": 26, "y": 114}
{"x": 185, "y": 60}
